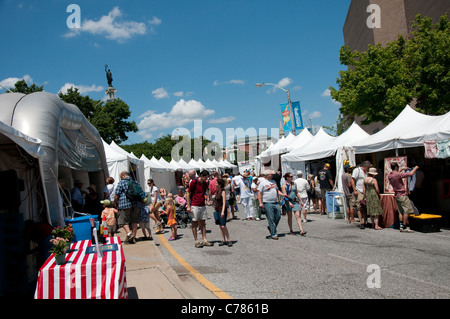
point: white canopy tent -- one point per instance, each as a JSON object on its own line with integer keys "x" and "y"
{"x": 164, "y": 179}
{"x": 152, "y": 170}
{"x": 194, "y": 163}
{"x": 185, "y": 166}
{"x": 117, "y": 162}
{"x": 324, "y": 145}
{"x": 140, "y": 170}
{"x": 409, "y": 129}
{"x": 293, "y": 161}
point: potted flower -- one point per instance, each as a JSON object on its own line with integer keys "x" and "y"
{"x": 63, "y": 232}
{"x": 59, "y": 249}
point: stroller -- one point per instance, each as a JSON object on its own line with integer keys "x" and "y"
{"x": 182, "y": 217}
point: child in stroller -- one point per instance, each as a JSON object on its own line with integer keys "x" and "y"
{"x": 183, "y": 218}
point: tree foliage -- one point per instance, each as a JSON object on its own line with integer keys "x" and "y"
{"x": 164, "y": 145}
{"x": 22, "y": 87}
{"x": 379, "y": 83}
{"x": 110, "y": 118}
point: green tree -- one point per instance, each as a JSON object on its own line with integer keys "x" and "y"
{"x": 110, "y": 119}
{"x": 84, "y": 103}
{"x": 22, "y": 87}
{"x": 163, "y": 147}
{"x": 379, "y": 83}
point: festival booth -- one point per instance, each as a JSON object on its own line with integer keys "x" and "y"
{"x": 185, "y": 166}
{"x": 153, "y": 170}
{"x": 135, "y": 167}
{"x": 23, "y": 206}
{"x": 324, "y": 147}
{"x": 72, "y": 149}
{"x": 234, "y": 168}
{"x": 411, "y": 139}
{"x": 164, "y": 179}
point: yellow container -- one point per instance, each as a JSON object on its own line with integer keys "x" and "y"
{"x": 425, "y": 223}
{"x": 425, "y": 216}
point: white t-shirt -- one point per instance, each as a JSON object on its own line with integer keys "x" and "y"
{"x": 109, "y": 190}
{"x": 269, "y": 191}
{"x": 359, "y": 175}
{"x": 245, "y": 187}
{"x": 302, "y": 186}
{"x": 152, "y": 194}
{"x": 236, "y": 180}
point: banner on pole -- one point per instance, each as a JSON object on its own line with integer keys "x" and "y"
{"x": 286, "y": 117}
{"x": 298, "y": 121}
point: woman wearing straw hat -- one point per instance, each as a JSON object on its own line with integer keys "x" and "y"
{"x": 372, "y": 195}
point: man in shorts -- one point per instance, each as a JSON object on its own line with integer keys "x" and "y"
{"x": 196, "y": 206}
{"x": 128, "y": 212}
{"x": 404, "y": 206}
{"x": 348, "y": 184}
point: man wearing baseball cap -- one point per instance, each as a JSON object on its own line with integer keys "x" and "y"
{"x": 268, "y": 198}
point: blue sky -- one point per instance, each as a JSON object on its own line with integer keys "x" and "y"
{"x": 176, "y": 61}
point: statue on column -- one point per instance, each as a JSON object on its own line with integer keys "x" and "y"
{"x": 108, "y": 75}
{"x": 111, "y": 90}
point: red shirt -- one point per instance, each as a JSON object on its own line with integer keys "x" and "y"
{"x": 213, "y": 186}
{"x": 396, "y": 180}
{"x": 197, "y": 195}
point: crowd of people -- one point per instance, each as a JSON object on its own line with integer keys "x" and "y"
{"x": 270, "y": 194}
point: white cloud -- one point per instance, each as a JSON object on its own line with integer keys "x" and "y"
{"x": 285, "y": 82}
{"x": 222, "y": 120}
{"x": 240, "y": 82}
{"x": 113, "y": 27}
{"x": 160, "y": 93}
{"x": 182, "y": 113}
{"x": 9, "y": 82}
{"x": 327, "y": 93}
{"x": 315, "y": 115}
{"x": 155, "y": 21}
{"x": 83, "y": 89}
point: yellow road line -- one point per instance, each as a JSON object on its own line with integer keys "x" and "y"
{"x": 205, "y": 282}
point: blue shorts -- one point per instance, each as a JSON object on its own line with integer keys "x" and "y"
{"x": 222, "y": 221}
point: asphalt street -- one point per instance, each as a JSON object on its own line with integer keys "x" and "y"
{"x": 334, "y": 260}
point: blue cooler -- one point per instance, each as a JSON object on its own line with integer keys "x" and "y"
{"x": 330, "y": 198}
{"x": 81, "y": 227}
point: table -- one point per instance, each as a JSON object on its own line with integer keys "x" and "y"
{"x": 84, "y": 276}
{"x": 390, "y": 211}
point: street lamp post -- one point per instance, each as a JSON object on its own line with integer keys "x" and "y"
{"x": 289, "y": 101}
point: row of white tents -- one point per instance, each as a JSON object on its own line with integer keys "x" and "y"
{"x": 161, "y": 171}
{"x": 409, "y": 129}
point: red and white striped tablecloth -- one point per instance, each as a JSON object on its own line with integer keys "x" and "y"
{"x": 84, "y": 276}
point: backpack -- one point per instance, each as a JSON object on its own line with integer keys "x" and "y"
{"x": 134, "y": 191}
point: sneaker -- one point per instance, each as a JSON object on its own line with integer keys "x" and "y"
{"x": 222, "y": 243}
{"x": 207, "y": 243}
{"x": 230, "y": 244}
{"x": 198, "y": 245}
{"x": 406, "y": 230}
{"x": 129, "y": 238}
{"x": 361, "y": 226}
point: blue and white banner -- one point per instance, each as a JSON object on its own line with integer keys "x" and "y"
{"x": 286, "y": 117}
